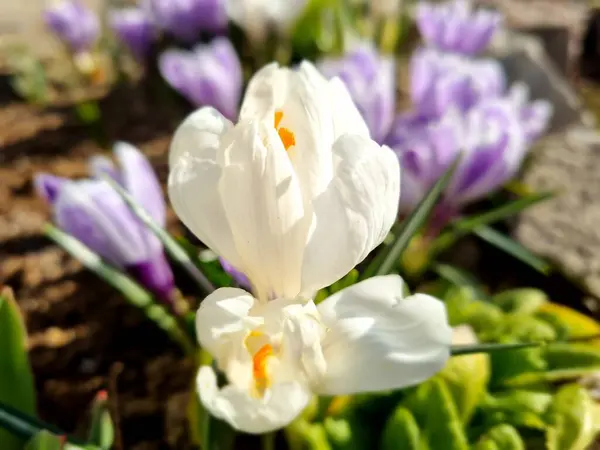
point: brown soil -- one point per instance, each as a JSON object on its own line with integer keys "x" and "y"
{"x": 84, "y": 337}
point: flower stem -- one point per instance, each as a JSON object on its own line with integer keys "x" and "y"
{"x": 268, "y": 441}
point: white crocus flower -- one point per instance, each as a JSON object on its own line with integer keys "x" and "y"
{"x": 257, "y": 17}
{"x": 294, "y": 196}
{"x": 276, "y": 355}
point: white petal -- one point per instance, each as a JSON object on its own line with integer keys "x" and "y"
{"x": 194, "y": 178}
{"x": 264, "y": 206}
{"x": 377, "y": 340}
{"x": 346, "y": 117}
{"x": 199, "y": 133}
{"x": 223, "y": 312}
{"x": 281, "y": 405}
{"x": 266, "y": 92}
{"x": 355, "y": 213}
{"x": 307, "y": 112}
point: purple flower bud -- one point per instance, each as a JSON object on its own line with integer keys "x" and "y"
{"x": 491, "y": 137}
{"x": 455, "y": 27}
{"x": 370, "y": 79}
{"x": 135, "y": 29}
{"x": 239, "y": 277}
{"x": 208, "y": 75}
{"x": 95, "y": 214}
{"x": 440, "y": 81}
{"x": 185, "y": 19}
{"x": 75, "y": 24}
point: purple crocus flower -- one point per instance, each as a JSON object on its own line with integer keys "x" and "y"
{"x": 75, "y": 24}
{"x": 185, "y": 19}
{"x": 440, "y": 81}
{"x": 491, "y": 135}
{"x": 455, "y": 27}
{"x": 95, "y": 214}
{"x": 208, "y": 75}
{"x": 239, "y": 277}
{"x": 135, "y": 29}
{"x": 370, "y": 79}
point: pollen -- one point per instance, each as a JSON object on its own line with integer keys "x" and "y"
{"x": 260, "y": 369}
{"x": 287, "y": 137}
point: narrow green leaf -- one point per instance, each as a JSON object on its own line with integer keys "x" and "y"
{"x": 132, "y": 291}
{"x": 102, "y": 431}
{"x": 513, "y": 248}
{"x": 27, "y": 427}
{"x": 173, "y": 248}
{"x": 466, "y": 225}
{"x": 516, "y": 407}
{"x": 17, "y": 388}
{"x": 411, "y": 225}
{"x": 457, "y": 350}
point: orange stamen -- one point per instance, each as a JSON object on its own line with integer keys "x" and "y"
{"x": 287, "y": 137}
{"x": 278, "y": 117}
{"x": 259, "y": 367}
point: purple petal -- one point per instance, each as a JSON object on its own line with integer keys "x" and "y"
{"x": 135, "y": 29}
{"x": 140, "y": 181}
{"x": 74, "y": 23}
{"x": 155, "y": 274}
{"x": 101, "y": 165}
{"x": 240, "y": 278}
{"x": 209, "y": 75}
{"x": 96, "y": 215}
{"x": 48, "y": 186}
{"x": 371, "y": 82}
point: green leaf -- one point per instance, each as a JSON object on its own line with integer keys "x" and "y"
{"x": 523, "y": 300}
{"x": 469, "y": 224}
{"x": 302, "y": 435}
{"x": 442, "y": 429}
{"x": 501, "y": 437}
{"x": 410, "y": 226}
{"x": 45, "y": 440}
{"x": 520, "y": 408}
{"x": 457, "y": 350}
{"x": 562, "y": 361}
{"x": 102, "y": 432}
{"x": 508, "y": 366}
{"x": 466, "y": 376}
{"x": 17, "y": 388}
{"x": 571, "y": 416}
{"x": 401, "y": 432}
{"x": 132, "y": 291}
{"x": 176, "y": 251}
{"x": 513, "y": 248}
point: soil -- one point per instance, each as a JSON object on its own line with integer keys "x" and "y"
{"x": 83, "y": 336}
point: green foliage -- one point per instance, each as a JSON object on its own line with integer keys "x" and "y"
{"x": 45, "y": 440}
{"x": 17, "y": 389}
{"x": 102, "y": 431}
{"x": 501, "y": 437}
{"x": 510, "y": 399}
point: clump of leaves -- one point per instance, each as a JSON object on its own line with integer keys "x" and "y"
{"x": 527, "y": 398}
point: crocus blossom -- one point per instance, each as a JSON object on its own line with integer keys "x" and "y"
{"x": 208, "y": 75}
{"x": 294, "y": 196}
{"x": 277, "y": 354}
{"x": 186, "y": 19}
{"x": 440, "y": 81}
{"x": 95, "y": 214}
{"x": 74, "y": 23}
{"x": 493, "y": 136}
{"x": 454, "y": 26}
{"x": 257, "y": 17}
{"x": 370, "y": 79}
{"x": 134, "y": 28}
{"x": 240, "y": 278}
